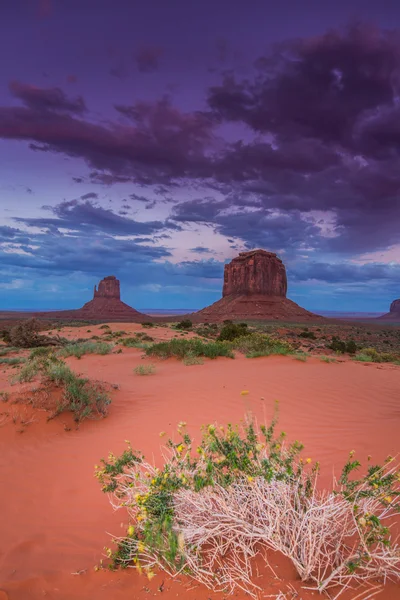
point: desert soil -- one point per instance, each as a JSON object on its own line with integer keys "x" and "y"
{"x": 55, "y": 521}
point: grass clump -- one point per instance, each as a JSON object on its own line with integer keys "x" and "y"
{"x": 82, "y": 348}
{"x": 246, "y": 489}
{"x": 231, "y": 331}
{"x": 183, "y": 348}
{"x": 8, "y": 350}
{"x": 145, "y": 369}
{"x": 259, "y": 344}
{"x": 84, "y": 398}
{"x": 301, "y": 356}
{"x": 191, "y": 360}
{"x": 327, "y": 359}
{"x": 147, "y": 324}
{"x": 11, "y": 361}
{"x": 372, "y": 355}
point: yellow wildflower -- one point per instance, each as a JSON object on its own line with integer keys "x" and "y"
{"x": 244, "y": 392}
{"x": 308, "y": 460}
{"x": 131, "y": 530}
{"x": 141, "y": 547}
{"x": 250, "y": 479}
{"x": 150, "y": 575}
{"x": 388, "y": 499}
{"x": 179, "y": 448}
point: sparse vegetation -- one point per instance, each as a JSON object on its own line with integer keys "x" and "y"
{"x": 372, "y": 355}
{"x": 82, "y": 348}
{"x": 308, "y": 334}
{"x": 26, "y": 335}
{"x": 194, "y": 347}
{"x": 232, "y": 331}
{"x": 11, "y": 361}
{"x": 84, "y": 398}
{"x": 147, "y": 324}
{"x": 191, "y": 360}
{"x": 301, "y": 356}
{"x": 340, "y": 346}
{"x": 259, "y": 344}
{"x": 247, "y": 490}
{"x": 145, "y": 369}
{"x": 184, "y": 324}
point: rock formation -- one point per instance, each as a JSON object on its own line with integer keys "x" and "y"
{"x": 255, "y": 287}
{"x": 106, "y": 304}
{"x": 255, "y": 272}
{"x": 394, "y": 314}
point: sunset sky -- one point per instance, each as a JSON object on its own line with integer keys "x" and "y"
{"x": 154, "y": 140}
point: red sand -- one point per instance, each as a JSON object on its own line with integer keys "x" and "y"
{"x": 54, "y": 518}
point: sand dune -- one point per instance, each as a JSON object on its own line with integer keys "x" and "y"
{"x": 54, "y": 518}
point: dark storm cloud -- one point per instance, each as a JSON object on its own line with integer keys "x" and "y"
{"x": 148, "y": 59}
{"x": 315, "y": 87}
{"x": 157, "y": 143}
{"x": 46, "y": 99}
{"x": 345, "y": 273}
{"x": 86, "y": 216}
{"x": 89, "y": 196}
{"x": 201, "y": 250}
{"x": 321, "y": 134}
{"x": 207, "y": 269}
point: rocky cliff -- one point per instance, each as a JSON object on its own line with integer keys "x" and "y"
{"x": 255, "y": 287}
{"x": 255, "y": 272}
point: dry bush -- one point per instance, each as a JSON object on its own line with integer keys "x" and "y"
{"x": 245, "y": 493}
{"x": 26, "y": 335}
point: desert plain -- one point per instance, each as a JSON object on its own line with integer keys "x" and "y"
{"x": 55, "y": 520}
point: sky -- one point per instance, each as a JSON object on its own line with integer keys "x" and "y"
{"x": 155, "y": 140}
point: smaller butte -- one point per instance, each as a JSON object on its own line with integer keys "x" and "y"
{"x": 255, "y": 287}
{"x": 105, "y": 305}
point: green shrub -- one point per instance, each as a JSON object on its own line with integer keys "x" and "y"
{"x": 87, "y": 347}
{"x": 337, "y": 345}
{"x": 328, "y": 359}
{"x": 351, "y": 347}
{"x": 147, "y": 324}
{"x": 104, "y": 327}
{"x": 145, "y": 370}
{"x": 232, "y": 331}
{"x": 372, "y": 355}
{"x": 260, "y": 344}
{"x": 308, "y": 334}
{"x": 194, "y": 347}
{"x": 184, "y": 324}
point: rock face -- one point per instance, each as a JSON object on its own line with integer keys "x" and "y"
{"x": 255, "y": 272}
{"x": 394, "y": 314}
{"x": 108, "y": 288}
{"x": 106, "y": 304}
{"x": 255, "y": 287}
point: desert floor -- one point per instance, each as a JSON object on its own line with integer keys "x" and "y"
{"x": 54, "y": 519}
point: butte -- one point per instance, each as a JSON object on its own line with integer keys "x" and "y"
{"x": 255, "y": 287}
{"x": 105, "y": 305}
{"x": 394, "y": 313}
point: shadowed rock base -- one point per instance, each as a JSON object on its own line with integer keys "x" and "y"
{"x": 257, "y": 307}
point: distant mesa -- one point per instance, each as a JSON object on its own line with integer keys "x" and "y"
{"x": 255, "y": 287}
{"x": 394, "y": 314}
{"x": 106, "y": 304}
